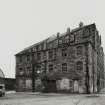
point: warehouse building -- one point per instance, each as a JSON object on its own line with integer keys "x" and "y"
{"x": 71, "y": 62}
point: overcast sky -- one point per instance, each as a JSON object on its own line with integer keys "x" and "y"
{"x": 25, "y": 22}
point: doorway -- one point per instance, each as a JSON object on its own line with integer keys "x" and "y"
{"x": 76, "y": 86}
{"x": 51, "y": 86}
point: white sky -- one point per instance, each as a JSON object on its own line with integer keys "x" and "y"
{"x": 25, "y": 22}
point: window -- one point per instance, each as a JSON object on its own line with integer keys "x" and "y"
{"x": 28, "y": 58}
{"x": 28, "y": 68}
{"x": 33, "y": 57}
{"x": 20, "y": 59}
{"x": 72, "y": 38}
{"x": 67, "y": 39}
{"x": 63, "y": 40}
{"x": 38, "y": 56}
{"x": 28, "y": 83}
{"x": 55, "y": 54}
{"x": 21, "y": 71}
{"x": 60, "y": 41}
{"x": 44, "y": 53}
{"x": 50, "y": 68}
{"x": 28, "y": 72}
{"x": 79, "y": 50}
{"x": 86, "y": 32}
{"x": 64, "y": 52}
{"x": 71, "y": 83}
{"x": 79, "y": 66}
{"x": 38, "y": 68}
{"x": 50, "y": 54}
{"x": 42, "y": 46}
{"x": 64, "y": 67}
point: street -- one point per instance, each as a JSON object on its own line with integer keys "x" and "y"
{"x": 51, "y": 99}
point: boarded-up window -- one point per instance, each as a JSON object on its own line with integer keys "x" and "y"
{"x": 21, "y": 83}
{"x": 28, "y": 83}
{"x": 71, "y": 83}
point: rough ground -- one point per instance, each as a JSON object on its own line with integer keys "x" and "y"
{"x": 51, "y": 99}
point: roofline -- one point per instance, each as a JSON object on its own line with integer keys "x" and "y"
{"x": 61, "y": 35}
{"x": 2, "y": 73}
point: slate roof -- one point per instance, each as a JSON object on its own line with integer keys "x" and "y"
{"x": 53, "y": 37}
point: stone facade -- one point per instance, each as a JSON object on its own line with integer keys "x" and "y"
{"x": 72, "y": 62}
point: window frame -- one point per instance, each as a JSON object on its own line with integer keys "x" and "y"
{"x": 64, "y": 67}
{"x": 79, "y": 50}
{"x": 50, "y": 67}
{"x": 38, "y": 55}
{"x": 79, "y": 66}
{"x": 50, "y": 54}
{"x": 64, "y": 52}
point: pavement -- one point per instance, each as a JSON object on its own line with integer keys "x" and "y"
{"x": 37, "y": 98}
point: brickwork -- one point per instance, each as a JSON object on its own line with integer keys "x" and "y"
{"x": 69, "y": 62}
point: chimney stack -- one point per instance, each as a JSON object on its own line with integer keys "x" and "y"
{"x": 81, "y": 24}
{"x": 68, "y": 30}
{"x": 58, "y": 35}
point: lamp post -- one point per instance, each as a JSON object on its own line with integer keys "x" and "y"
{"x": 35, "y": 73}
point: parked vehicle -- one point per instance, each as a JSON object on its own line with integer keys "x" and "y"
{"x": 2, "y": 90}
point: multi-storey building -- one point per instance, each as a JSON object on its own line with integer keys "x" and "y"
{"x": 70, "y": 62}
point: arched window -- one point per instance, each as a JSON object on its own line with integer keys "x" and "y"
{"x": 79, "y": 66}
{"x": 79, "y": 50}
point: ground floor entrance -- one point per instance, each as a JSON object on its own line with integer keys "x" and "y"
{"x": 50, "y": 86}
{"x": 63, "y": 85}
